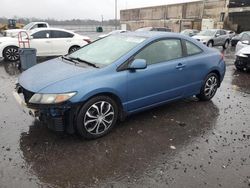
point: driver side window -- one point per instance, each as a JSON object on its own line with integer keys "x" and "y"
{"x": 161, "y": 51}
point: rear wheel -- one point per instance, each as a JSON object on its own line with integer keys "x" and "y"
{"x": 11, "y": 54}
{"x": 210, "y": 44}
{"x": 97, "y": 117}
{"x": 209, "y": 87}
{"x": 73, "y": 49}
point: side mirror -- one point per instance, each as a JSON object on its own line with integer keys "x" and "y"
{"x": 216, "y": 35}
{"x": 47, "y": 35}
{"x": 138, "y": 64}
{"x": 245, "y": 42}
{"x": 30, "y": 37}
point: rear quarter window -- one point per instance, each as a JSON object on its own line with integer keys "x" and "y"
{"x": 192, "y": 49}
{"x": 61, "y": 34}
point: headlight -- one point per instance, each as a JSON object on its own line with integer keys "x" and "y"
{"x": 50, "y": 98}
{"x": 242, "y": 55}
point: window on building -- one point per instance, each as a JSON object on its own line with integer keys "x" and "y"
{"x": 222, "y": 16}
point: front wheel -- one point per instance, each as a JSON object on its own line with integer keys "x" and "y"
{"x": 226, "y": 45}
{"x": 210, "y": 44}
{"x": 11, "y": 54}
{"x": 209, "y": 87}
{"x": 97, "y": 117}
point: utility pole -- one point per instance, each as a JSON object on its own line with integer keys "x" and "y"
{"x": 116, "y": 14}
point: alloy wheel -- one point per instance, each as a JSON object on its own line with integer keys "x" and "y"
{"x": 11, "y": 54}
{"x": 99, "y": 117}
{"x": 211, "y": 86}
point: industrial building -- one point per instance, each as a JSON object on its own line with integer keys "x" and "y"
{"x": 229, "y": 14}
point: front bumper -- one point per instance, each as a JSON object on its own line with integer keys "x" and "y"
{"x": 59, "y": 117}
{"x": 243, "y": 62}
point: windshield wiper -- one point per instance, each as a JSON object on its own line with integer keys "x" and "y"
{"x": 69, "y": 59}
{"x": 83, "y": 61}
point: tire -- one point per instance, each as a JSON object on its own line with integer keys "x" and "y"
{"x": 97, "y": 117}
{"x": 226, "y": 45}
{"x": 11, "y": 54}
{"x": 73, "y": 49}
{"x": 209, "y": 87}
{"x": 210, "y": 44}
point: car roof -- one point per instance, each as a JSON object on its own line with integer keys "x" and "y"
{"x": 39, "y": 22}
{"x": 50, "y": 28}
{"x": 154, "y": 34}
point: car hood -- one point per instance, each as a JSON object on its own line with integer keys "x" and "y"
{"x": 243, "y": 50}
{"x": 7, "y": 39}
{"x": 201, "y": 37}
{"x": 48, "y": 73}
{"x": 14, "y": 30}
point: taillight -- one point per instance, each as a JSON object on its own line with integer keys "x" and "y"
{"x": 222, "y": 56}
{"x": 87, "y": 40}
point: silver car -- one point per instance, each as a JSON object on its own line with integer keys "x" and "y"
{"x": 214, "y": 37}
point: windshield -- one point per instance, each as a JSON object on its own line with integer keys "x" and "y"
{"x": 107, "y": 50}
{"x": 26, "y": 27}
{"x": 207, "y": 33}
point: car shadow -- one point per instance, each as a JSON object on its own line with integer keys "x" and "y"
{"x": 132, "y": 148}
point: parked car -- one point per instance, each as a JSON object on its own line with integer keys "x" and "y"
{"x": 28, "y": 27}
{"x": 89, "y": 90}
{"x": 164, "y": 29}
{"x": 47, "y": 42}
{"x": 242, "y": 61}
{"x": 190, "y": 32}
{"x": 230, "y": 33}
{"x": 213, "y": 37}
{"x": 244, "y": 42}
{"x": 112, "y": 33}
{"x": 237, "y": 38}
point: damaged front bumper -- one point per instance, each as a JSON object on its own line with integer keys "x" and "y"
{"x": 243, "y": 62}
{"x": 57, "y": 117}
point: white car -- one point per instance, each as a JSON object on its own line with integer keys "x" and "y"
{"x": 28, "y": 27}
{"x": 112, "y": 33}
{"x": 244, "y": 42}
{"x": 47, "y": 42}
{"x": 242, "y": 53}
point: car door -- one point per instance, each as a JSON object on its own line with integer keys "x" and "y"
{"x": 217, "y": 39}
{"x": 61, "y": 41}
{"x": 162, "y": 80}
{"x": 41, "y": 42}
{"x": 223, "y": 37}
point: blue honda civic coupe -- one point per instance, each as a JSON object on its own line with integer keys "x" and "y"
{"x": 89, "y": 90}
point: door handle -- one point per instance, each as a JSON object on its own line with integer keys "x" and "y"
{"x": 180, "y": 66}
{"x": 47, "y": 41}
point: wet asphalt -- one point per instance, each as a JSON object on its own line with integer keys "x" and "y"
{"x": 182, "y": 144}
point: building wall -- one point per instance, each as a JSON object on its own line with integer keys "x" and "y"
{"x": 176, "y": 17}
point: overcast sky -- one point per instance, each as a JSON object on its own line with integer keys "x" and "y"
{"x": 69, "y": 9}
